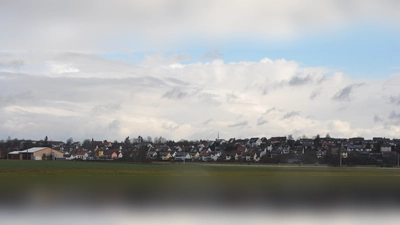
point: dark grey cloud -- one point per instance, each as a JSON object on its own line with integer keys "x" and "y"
{"x": 176, "y": 81}
{"x": 261, "y": 121}
{"x": 207, "y": 98}
{"x": 105, "y": 109}
{"x": 175, "y": 93}
{"x": 179, "y": 93}
{"x": 22, "y": 88}
{"x": 394, "y": 118}
{"x": 315, "y": 94}
{"x": 211, "y": 55}
{"x": 207, "y": 122}
{"x": 290, "y": 115}
{"x": 264, "y": 90}
{"x": 344, "y": 94}
{"x": 15, "y": 64}
{"x": 378, "y": 119}
{"x": 18, "y": 98}
{"x": 297, "y": 81}
{"x": 114, "y": 125}
{"x": 239, "y": 124}
{"x": 270, "y": 110}
{"x": 230, "y": 97}
{"x": 395, "y": 99}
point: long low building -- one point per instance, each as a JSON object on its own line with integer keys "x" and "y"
{"x": 36, "y": 153}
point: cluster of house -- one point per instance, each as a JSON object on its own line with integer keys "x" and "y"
{"x": 96, "y": 150}
{"x": 253, "y": 149}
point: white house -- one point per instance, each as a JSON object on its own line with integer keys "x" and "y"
{"x": 254, "y": 142}
{"x": 386, "y": 148}
{"x": 81, "y": 155}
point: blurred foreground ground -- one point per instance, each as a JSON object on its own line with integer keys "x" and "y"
{"x": 79, "y": 192}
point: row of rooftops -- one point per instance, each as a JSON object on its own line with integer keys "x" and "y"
{"x": 221, "y": 144}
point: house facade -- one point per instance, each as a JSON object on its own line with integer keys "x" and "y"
{"x": 35, "y": 153}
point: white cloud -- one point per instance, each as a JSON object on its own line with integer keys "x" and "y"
{"x": 195, "y": 101}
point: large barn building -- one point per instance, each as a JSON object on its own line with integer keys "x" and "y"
{"x": 36, "y": 153}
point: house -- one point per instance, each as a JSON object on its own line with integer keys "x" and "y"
{"x": 386, "y": 148}
{"x": 194, "y": 155}
{"x": 215, "y": 155}
{"x": 254, "y": 142}
{"x": 182, "y": 156}
{"x": 14, "y": 155}
{"x": 81, "y": 155}
{"x": 231, "y": 140}
{"x": 165, "y": 156}
{"x": 76, "y": 144}
{"x": 356, "y": 148}
{"x": 284, "y": 149}
{"x": 339, "y": 141}
{"x": 307, "y": 143}
{"x": 99, "y": 152}
{"x": 227, "y": 156}
{"x": 298, "y": 150}
{"x": 263, "y": 153}
{"x": 248, "y": 156}
{"x": 152, "y": 155}
{"x": 275, "y": 140}
{"x": 164, "y": 148}
{"x": 205, "y": 156}
{"x": 111, "y": 154}
{"x": 36, "y": 153}
{"x": 56, "y": 144}
{"x": 257, "y": 156}
{"x": 241, "y": 149}
{"x": 380, "y": 140}
{"x": 356, "y": 140}
{"x": 238, "y": 156}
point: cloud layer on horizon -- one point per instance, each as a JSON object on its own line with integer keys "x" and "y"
{"x": 80, "y": 95}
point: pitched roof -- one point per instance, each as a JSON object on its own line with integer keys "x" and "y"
{"x": 110, "y": 152}
{"x": 32, "y": 150}
{"x": 241, "y": 148}
{"x": 14, "y": 153}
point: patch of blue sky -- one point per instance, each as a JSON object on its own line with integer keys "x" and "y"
{"x": 359, "y": 53}
{"x": 370, "y": 52}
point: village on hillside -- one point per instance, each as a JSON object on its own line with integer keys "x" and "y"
{"x": 377, "y": 151}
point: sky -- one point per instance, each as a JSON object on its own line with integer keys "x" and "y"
{"x": 193, "y": 69}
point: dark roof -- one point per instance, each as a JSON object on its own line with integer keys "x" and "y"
{"x": 164, "y": 153}
{"x": 110, "y": 152}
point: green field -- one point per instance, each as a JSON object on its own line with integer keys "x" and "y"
{"x": 156, "y": 181}
{"x": 128, "y": 173}
{"x": 12, "y": 168}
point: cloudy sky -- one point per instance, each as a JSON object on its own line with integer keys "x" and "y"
{"x": 190, "y": 69}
